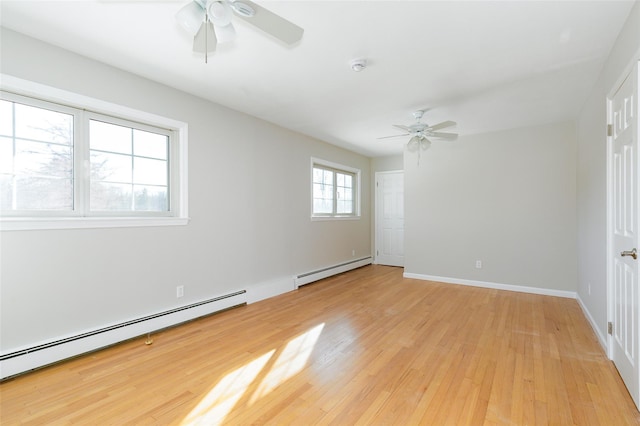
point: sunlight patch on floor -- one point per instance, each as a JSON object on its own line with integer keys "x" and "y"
{"x": 219, "y": 402}
{"x": 290, "y": 362}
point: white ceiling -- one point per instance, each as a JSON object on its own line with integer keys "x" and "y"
{"x": 487, "y": 65}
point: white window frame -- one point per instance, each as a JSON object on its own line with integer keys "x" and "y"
{"x": 336, "y": 167}
{"x": 178, "y": 174}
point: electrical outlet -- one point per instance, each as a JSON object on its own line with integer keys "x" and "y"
{"x": 478, "y": 264}
{"x": 589, "y": 289}
{"x": 353, "y": 253}
{"x": 179, "y": 291}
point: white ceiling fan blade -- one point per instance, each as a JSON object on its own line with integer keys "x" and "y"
{"x": 268, "y": 22}
{"x": 394, "y": 136}
{"x": 401, "y": 127}
{"x": 442, "y": 125}
{"x": 205, "y": 41}
{"x": 449, "y": 136}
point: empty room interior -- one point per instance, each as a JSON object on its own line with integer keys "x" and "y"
{"x": 319, "y": 212}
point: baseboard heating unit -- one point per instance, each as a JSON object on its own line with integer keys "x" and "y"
{"x": 26, "y": 359}
{"x": 319, "y": 274}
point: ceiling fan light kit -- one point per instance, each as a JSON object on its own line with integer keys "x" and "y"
{"x": 421, "y": 132}
{"x": 190, "y": 17}
{"x": 225, "y": 33}
{"x": 417, "y": 143}
{"x": 219, "y": 13}
{"x": 210, "y": 22}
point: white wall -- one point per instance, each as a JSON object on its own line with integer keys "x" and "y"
{"x": 592, "y": 180}
{"x": 506, "y": 198}
{"x": 387, "y": 164}
{"x": 249, "y": 204}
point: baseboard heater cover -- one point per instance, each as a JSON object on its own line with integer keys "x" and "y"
{"x": 37, "y": 356}
{"x": 322, "y": 273}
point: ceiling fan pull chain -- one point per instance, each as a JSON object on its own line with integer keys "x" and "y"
{"x": 206, "y": 36}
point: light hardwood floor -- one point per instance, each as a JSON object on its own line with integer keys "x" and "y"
{"x": 366, "y": 347}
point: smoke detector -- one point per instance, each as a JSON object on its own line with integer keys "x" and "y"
{"x": 358, "y": 64}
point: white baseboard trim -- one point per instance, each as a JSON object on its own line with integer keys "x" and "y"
{"x": 319, "y": 274}
{"x": 496, "y": 286}
{"x": 601, "y": 338}
{"x": 271, "y": 288}
{"x": 39, "y": 355}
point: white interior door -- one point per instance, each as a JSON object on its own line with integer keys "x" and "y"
{"x": 390, "y": 218}
{"x": 623, "y": 233}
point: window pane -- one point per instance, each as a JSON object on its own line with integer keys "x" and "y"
{"x": 317, "y": 175}
{"x": 344, "y": 193}
{"x": 129, "y": 169}
{"x": 111, "y": 167}
{"x": 150, "y": 198}
{"x": 6, "y": 118}
{"x": 36, "y": 158}
{"x": 327, "y": 177}
{"x": 347, "y": 194}
{"x": 45, "y": 159}
{"x": 43, "y": 125}
{"x": 6, "y": 155}
{"x": 111, "y": 197}
{"x": 322, "y": 206}
{"x": 150, "y": 172}
{"x": 322, "y": 191}
{"x": 6, "y": 192}
{"x": 110, "y": 137}
{"x": 345, "y": 207}
{"x": 147, "y": 144}
{"x": 40, "y": 193}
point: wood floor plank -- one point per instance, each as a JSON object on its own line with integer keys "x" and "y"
{"x": 367, "y": 347}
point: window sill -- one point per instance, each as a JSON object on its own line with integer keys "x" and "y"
{"x": 323, "y": 218}
{"x": 34, "y": 223}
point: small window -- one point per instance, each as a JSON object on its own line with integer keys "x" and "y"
{"x": 334, "y": 190}
{"x": 63, "y": 166}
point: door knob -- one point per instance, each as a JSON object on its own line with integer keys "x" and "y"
{"x": 633, "y": 253}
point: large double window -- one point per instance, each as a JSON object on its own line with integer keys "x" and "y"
{"x": 74, "y": 167}
{"x": 335, "y": 190}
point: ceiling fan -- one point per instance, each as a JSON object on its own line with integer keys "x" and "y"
{"x": 209, "y": 21}
{"x": 422, "y": 133}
